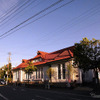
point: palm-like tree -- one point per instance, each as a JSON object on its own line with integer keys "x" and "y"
{"x": 29, "y": 69}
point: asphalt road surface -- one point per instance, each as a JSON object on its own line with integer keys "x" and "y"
{"x": 22, "y": 93}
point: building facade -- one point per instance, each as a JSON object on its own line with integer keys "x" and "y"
{"x": 60, "y": 62}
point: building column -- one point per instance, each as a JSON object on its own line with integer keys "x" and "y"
{"x": 80, "y": 76}
{"x": 61, "y": 71}
{"x": 21, "y": 75}
{"x": 40, "y": 73}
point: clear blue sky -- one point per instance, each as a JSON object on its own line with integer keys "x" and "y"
{"x": 59, "y": 29}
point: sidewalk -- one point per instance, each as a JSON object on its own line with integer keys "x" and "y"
{"x": 83, "y": 88}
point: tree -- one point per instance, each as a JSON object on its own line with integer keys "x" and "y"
{"x": 7, "y": 72}
{"x": 87, "y": 55}
{"x": 69, "y": 71}
{"x": 70, "y": 74}
{"x": 29, "y": 69}
{"x": 1, "y": 73}
{"x": 50, "y": 72}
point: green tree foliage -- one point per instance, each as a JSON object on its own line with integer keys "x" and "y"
{"x": 5, "y": 71}
{"x": 87, "y": 54}
{"x": 8, "y": 72}
{"x": 30, "y": 68}
{"x": 1, "y": 73}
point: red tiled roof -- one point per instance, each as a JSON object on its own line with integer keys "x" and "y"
{"x": 40, "y": 54}
{"x": 39, "y": 63}
{"x": 59, "y": 59}
{"x": 24, "y": 61}
{"x": 50, "y": 57}
{"x": 60, "y": 54}
{"x": 37, "y": 56}
{"x": 22, "y": 65}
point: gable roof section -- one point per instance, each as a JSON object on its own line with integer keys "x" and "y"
{"x": 40, "y": 54}
{"x": 60, "y": 54}
{"x": 22, "y": 65}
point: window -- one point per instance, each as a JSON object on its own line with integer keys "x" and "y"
{"x": 33, "y": 61}
{"x": 59, "y": 72}
{"x": 37, "y": 60}
{"x": 41, "y": 72}
{"x": 30, "y": 76}
{"x": 63, "y": 71}
{"x": 50, "y": 70}
{"x": 16, "y": 75}
{"x": 26, "y": 76}
{"x": 36, "y": 74}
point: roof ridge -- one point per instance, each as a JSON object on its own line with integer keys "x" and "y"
{"x": 61, "y": 49}
{"x": 41, "y": 51}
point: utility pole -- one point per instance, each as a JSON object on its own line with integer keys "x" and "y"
{"x": 9, "y": 62}
{"x": 9, "y": 59}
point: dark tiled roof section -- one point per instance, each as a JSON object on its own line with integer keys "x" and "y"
{"x": 60, "y": 54}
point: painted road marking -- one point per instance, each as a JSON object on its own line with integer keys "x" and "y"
{"x": 3, "y": 97}
{"x": 43, "y": 97}
{"x": 73, "y": 98}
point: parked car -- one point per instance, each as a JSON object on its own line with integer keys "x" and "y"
{"x": 2, "y": 81}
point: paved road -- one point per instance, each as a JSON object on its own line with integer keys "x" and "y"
{"x": 21, "y": 93}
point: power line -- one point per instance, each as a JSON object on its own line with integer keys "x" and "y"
{"x": 80, "y": 21}
{"x": 32, "y": 17}
{"x": 39, "y": 18}
{"x": 87, "y": 25}
{"x": 76, "y": 18}
{"x": 20, "y": 15}
{"x": 9, "y": 19}
{"x": 80, "y": 16}
{"x": 37, "y": 4}
{"x": 9, "y": 11}
{"x": 15, "y": 11}
{"x": 89, "y": 12}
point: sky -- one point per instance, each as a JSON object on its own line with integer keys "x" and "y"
{"x": 53, "y": 31}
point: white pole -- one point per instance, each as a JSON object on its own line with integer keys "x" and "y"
{"x": 7, "y": 78}
{"x": 80, "y": 76}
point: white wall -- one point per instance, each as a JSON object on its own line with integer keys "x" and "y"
{"x": 54, "y": 78}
